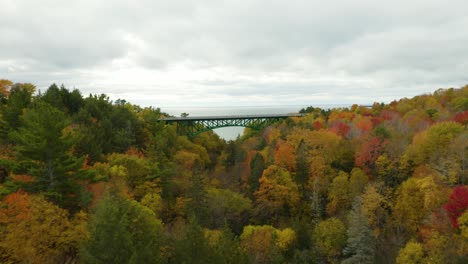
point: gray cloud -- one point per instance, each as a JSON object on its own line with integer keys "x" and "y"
{"x": 236, "y": 52}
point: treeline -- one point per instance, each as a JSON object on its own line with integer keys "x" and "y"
{"x": 89, "y": 180}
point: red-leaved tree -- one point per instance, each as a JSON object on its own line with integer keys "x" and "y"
{"x": 461, "y": 118}
{"x": 457, "y": 204}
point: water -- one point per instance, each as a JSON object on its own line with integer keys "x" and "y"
{"x": 230, "y": 133}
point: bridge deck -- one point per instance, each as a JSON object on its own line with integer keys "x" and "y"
{"x": 228, "y": 117}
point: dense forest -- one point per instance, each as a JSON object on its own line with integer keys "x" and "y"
{"x": 84, "y": 179}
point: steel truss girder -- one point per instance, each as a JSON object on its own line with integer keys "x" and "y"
{"x": 195, "y": 127}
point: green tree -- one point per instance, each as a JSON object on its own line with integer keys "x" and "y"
{"x": 229, "y": 248}
{"x": 194, "y": 248}
{"x": 63, "y": 99}
{"x": 360, "y": 244}
{"x": 197, "y": 205}
{"x": 225, "y": 206}
{"x": 139, "y": 171}
{"x": 257, "y": 165}
{"x": 330, "y": 238}
{"x": 122, "y": 231}
{"x": 43, "y": 145}
{"x": 20, "y": 97}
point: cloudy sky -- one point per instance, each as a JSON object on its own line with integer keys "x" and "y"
{"x": 237, "y": 53}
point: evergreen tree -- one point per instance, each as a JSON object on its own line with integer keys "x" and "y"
{"x": 43, "y": 144}
{"x": 193, "y": 248}
{"x": 231, "y": 153}
{"x": 257, "y": 165}
{"x": 3, "y": 130}
{"x": 19, "y": 99}
{"x": 53, "y": 96}
{"x": 63, "y": 99}
{"x": 197, "y": 205}
{"x": 360, "y": 244}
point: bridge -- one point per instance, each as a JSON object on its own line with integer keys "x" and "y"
{"x": 195, "y": 125}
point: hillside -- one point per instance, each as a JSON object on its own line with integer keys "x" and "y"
{"x": 90, "y": 180}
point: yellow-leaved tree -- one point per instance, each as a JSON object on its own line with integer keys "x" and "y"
{"x": 37, "y": 231}
{"x": 277, "y": 196}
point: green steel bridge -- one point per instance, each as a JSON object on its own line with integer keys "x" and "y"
{"x": 195, "y": 125}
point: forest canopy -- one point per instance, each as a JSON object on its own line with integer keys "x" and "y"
{"x": 90, "y": 180}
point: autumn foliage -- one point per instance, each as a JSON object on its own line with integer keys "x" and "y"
{"x": 92, "y": 180}
{"x": 457, "y": 204}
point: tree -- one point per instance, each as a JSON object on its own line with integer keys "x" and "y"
{"x": 284, "y": 156}
{"x": 228, "y": 207}
{"x": 194, "y": 247}
{"x": 369, "y": 152}
{"x": 278, "y": 194}
{"x": 360, "y": 247}
{"x": 435, "y": 147}
{"x": 53, "y": 97}
{"x": 233, "y": 154}
{"x": 257, "y": 164}
{"x": 20, "y": 97}
{"x": 3, "y": 130}
{"x": 197, "y": 204}
{"x": 62, "y": 99}
{"x": 229, "y": 248}
{"x": 122, "y": 231}
{"x": 154, "y": 202}
{"x": 463, "y": 224}
{"x": 338, "y": 194}
{"x": 43, "y": 145}
{"x": 265, "y": 243}
{"x": 139, "y": 171}
{"x": 412, "y": 253}
{"x": 457, "y": 204}
{"x": 374, "y": 208}
{"x": 303, "y": 167}
{"x": 409, "y": 210}
{"x": 416, "y": 199}
{"x": 37, "y": 231}
{"x": 330, "y": 238}
{"x": 357, "y": 182}
{"x": 5, "y": 86}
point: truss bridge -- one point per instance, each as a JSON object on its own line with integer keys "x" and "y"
{"x": 195, "y": 125}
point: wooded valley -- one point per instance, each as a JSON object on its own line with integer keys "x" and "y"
{"x": 85, "y": 179}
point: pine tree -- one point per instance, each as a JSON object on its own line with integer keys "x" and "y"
{"x": 360, "y": 244}
{"x": 43, "y": 145}
{"x": 197, "y": 205}
{"x": 20, "y": 97}
{"x": 257, "y": 165}
{"x": 194, "y": 248}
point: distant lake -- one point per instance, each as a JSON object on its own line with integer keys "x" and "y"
{"x": 230, "y": 133}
